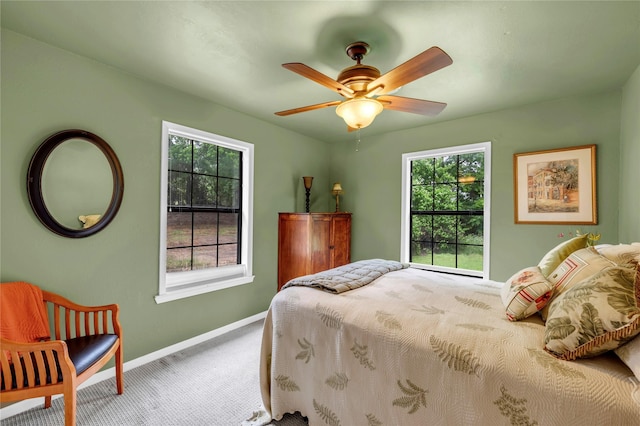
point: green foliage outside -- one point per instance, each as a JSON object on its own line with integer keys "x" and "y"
{"x": 202, "y": 174}
{"x": 444, "y": 191}
{"x": 203, "y": 178}
{"x": 472, "y": 262}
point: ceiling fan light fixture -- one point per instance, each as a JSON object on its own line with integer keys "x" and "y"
{"x": 359, "y": 112}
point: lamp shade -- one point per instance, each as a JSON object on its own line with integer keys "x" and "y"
{"x": 308, "y": 181}
{"x": 337, "y": 188}
{"x": 359, "y": 112}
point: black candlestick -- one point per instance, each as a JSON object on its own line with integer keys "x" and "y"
{"x": 307, "y": 188}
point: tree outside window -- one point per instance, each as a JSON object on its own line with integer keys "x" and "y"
{"x": 203, "y": 205}
{"x": 445, "y": 216}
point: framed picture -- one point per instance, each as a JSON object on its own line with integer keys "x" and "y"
{"x": 556, "y": 186}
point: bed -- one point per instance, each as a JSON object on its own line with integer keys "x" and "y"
{"x": 413, "y": 347}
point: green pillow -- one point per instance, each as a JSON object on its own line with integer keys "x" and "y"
{"x": 594, "y": 316}
{"x": 559, "y": 253}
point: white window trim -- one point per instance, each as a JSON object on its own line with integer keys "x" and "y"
{"x": 174, "y": 286}
{"x": 405, "y": 239}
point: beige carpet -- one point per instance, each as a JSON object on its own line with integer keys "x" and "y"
{"x": 213, "y": 383}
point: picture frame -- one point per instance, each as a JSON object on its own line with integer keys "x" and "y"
{"x": 555, "y": 186}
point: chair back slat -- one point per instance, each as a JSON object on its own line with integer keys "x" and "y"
{"x": 53, "y": 367}
{"x": 18, "y": 371}
{"x": 67, "y": 324}
{"x": 39, "y": 368}
{"x": 56, "y": 320}
{"x": 5, "y": 366}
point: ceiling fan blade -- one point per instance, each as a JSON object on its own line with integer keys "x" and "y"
{"x": 318, "y": 77}
{"x": 308, "y": 108}
{"x": 416, "y": 106}
{"x": 425, "y": 63}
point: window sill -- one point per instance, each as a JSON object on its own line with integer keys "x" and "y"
{"x": 445, "y": 270}
{"x": 181, "y": 293}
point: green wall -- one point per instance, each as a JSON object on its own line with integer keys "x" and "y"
{"x": 629, "y": 160}
{"x": 44, "y": 90}
{"x": 371, "y": 177}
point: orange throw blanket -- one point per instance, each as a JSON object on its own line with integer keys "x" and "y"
{"x": 23, "y": 317}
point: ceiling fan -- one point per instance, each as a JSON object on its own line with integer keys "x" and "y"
{"x": 367, "y": 92}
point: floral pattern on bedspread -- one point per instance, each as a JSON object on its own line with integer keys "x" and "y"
{"x": 420, "y": 348}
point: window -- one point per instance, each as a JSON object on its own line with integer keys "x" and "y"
{"x": 445, "y": 209}
{"x": 206, "y": 205}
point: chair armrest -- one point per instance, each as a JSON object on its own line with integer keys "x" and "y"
{"x": 36, "y": 359}
{"x": 80, "y": 320}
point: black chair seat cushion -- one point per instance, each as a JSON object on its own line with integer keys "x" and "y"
{"x": 84, "y": 351}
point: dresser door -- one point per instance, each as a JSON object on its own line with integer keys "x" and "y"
{"x": 294, "y": 255}
{"x": 340, "y": 240}
{"x": 321, "y": 253}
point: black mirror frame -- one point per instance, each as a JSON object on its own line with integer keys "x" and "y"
{"x": 34, "y": 182}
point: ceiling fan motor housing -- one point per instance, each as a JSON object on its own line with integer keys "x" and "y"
{"x": 357, "y": 77}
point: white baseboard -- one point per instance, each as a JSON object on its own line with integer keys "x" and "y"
{"x": 21, "y": 406}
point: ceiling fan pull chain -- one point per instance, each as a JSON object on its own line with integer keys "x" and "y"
{"x": 358, "y": 140}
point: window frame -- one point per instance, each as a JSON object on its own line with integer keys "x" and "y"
{"x": 178, "y": 285}
{"x": 405, "y": 239}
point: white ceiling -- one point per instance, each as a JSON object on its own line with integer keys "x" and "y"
{"x": 504, "y": 53}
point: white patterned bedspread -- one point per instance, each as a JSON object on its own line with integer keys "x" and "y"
{"x": 421, "y": 348}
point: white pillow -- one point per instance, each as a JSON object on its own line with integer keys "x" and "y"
{"x": 630, "y": 355}
{"x": 622, "y": 254}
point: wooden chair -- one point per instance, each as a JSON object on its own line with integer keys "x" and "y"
{"x": 84, "y": 339}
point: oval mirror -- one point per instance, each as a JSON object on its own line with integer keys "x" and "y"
{"x": 75, "y": 183}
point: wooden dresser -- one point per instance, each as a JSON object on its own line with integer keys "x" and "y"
{"x": 312, "y": 242}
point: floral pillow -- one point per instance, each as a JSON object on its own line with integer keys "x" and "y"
{"x": 594, "y": 316}
{"x": 525, "y": 293}
{"x": 580, "y": 264}
{"x": 556, "y": 255}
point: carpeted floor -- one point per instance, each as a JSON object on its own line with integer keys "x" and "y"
{"x": 214, "y": 383}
